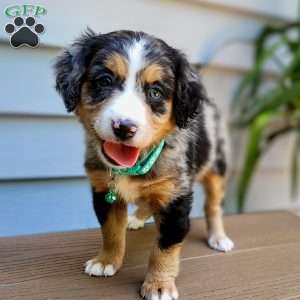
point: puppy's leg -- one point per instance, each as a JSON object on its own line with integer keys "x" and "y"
{"x": 214, "y": 187}
{"x": 173, "y": 225}
{"x": 138, "y": 219}
{"x": 113, "y": 220}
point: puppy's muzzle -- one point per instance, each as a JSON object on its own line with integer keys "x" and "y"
{"x": 124, "y": 129}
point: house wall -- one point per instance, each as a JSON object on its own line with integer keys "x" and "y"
{"x": 42, "y": 182}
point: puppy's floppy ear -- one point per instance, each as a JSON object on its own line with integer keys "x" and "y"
{"x": 70, "y": 68}
{"x": 189, "y": 91}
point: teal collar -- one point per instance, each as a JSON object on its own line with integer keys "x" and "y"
{"x": 141, "y": 167}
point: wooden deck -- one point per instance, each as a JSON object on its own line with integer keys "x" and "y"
{"x": 264, "y": 265}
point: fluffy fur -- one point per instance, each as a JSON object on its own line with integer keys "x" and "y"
{"x": 133, "y": 76}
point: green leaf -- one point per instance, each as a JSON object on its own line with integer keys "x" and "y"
{"x": 253, "y": 154}
{"x": 280, "y": 105}
{"x": 263, "y": 55}
{"x": 295, "y": 167}
{"x": 293, "y": 69}
{"x": 247, "y": 89}
{"x": 276, "y": 99}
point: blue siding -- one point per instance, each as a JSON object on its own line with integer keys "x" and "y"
{"x": 51, "y": 205}
{"x": 42, "y": 206}
{"x": 27, "y": 81}
{"x": 37, "y": 147}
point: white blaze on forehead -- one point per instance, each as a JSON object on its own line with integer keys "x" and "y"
{"x": 129, "y": 103}
{"x": 136, "y": 60}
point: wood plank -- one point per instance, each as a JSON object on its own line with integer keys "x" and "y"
{"x": 264, "y": 265}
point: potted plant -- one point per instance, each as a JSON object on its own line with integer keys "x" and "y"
{"x": 268, "y": 113}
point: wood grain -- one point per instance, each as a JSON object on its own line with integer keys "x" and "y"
{"x": 264, "y": 265}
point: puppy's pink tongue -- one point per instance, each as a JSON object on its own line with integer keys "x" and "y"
{"x": 125, "y": 156}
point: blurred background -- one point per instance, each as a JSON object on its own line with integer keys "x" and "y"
{"x": 249, "y": 53}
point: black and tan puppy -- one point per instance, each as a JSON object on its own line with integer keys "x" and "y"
{"x": 131, "y": 91}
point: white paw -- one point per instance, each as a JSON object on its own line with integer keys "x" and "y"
{"x": 156, "y": 290}
{"x": 170, "y": 295}
{"x": 165, "y": 296}
{"x": 135, "y": 223}
{"x": 96, "y": 268}
{"x": 222, "y": 243}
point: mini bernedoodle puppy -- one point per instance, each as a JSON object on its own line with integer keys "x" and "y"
{"x": 132, "y": 92}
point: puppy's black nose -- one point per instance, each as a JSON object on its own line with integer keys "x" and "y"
{"x": 123, "y": 129}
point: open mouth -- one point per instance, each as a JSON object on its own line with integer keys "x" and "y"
{"x": 120, "y": 155}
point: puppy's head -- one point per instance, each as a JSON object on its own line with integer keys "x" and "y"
{"x": 129, "y": 89}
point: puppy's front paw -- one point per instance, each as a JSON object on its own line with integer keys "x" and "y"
{"x": 159, "y": 290}
{"x": 220, "y": 243}
{"x": 94, "y": 267}
{"x": 135, "y": 223}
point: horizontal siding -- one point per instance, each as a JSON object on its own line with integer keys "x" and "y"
{"x": 271, "y": 190}
{"x": 40, "y": 147}
{"x": 28, "y": 81}
{"x": 267, "y": 8}
{"x": 40, "y": 206}
{"x": 180, "y": 24}
{"x": 53, "y": 205}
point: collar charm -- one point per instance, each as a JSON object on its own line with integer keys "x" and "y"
{"x": 111, "y": 197}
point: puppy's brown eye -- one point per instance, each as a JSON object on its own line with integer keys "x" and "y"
{"x": 154, "y": 93}
{"x": 104, "y": 81}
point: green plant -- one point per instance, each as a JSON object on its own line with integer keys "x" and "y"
{"x": 269, "y": 109}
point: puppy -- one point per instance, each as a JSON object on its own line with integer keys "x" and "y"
{"x": 132, "y": 92}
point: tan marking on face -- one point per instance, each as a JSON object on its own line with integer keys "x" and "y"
{"x": 85, "y": 115}
{"x": 117, "y": 64}
{"x": 114, "y": 233}
{"x": 161, "y": 125}
{"x": 86, "y": 111}
{"x": 152, "y": 73}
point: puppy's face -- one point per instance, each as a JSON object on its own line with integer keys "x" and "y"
{"x": 126, "y": 99}
{"x": 127, "y": 88}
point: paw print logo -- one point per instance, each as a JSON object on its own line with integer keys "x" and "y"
{"x": 24, "y": 32}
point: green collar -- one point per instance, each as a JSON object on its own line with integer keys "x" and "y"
{"x": 141, "y": 167}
